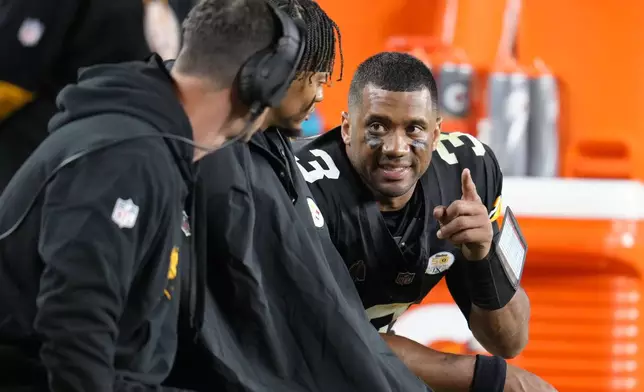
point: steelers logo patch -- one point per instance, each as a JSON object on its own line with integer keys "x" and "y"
{"x": 318, "y": 219}
{"x": 440, "y": 262}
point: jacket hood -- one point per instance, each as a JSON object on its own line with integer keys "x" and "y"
{"x": 140, "y": 89}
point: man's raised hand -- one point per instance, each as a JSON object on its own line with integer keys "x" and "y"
{"x": 465, "y": 222}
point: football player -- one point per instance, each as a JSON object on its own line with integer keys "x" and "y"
{"x": 407, "y": 205}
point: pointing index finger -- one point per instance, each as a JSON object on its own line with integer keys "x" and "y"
{"x": 468, "y": 187}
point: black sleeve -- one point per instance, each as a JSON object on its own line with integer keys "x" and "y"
{"x": 31, "y": 39}
{"x": 95, "y": 215}
{"x": 327, "y": 206}
{"x": 313, "y": 170}
{"x": 457, "y": 285}
{"x": 300, "y": 144}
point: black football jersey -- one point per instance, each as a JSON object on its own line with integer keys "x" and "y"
{"x": 395, "y": 259}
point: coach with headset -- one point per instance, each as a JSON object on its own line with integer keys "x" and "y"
{"x": 91, "y": 226}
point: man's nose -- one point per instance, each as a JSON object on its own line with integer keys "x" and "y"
{"x": 319, "y": 94}
{"x": 396, "y": 144}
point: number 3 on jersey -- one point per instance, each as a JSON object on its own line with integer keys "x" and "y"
{"x": 318, "y": 172}
{"x": 455, "y": 139}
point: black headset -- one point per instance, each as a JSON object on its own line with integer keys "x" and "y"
{"x": 262, "y": 81}
{"x": 266, "y": 76}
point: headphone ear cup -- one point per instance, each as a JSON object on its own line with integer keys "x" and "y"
{"x": 245, "y": 82}
{"x": 252, "y": 82}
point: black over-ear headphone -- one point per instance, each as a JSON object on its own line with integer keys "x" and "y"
{"x": 266, "y": 76}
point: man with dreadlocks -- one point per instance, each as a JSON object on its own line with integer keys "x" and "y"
{"x": 281, "y": 311}
{"x": 316, "y": 67}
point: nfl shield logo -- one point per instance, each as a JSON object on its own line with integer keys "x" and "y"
{"x": 125, "y": 213}
{"x": 405, "y": 278}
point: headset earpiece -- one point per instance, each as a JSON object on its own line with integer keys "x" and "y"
{"x": 248, "y": 82}
{"x": 266, "y": 76}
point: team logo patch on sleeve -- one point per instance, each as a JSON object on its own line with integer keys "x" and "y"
{"x": 172, "y": 272}
{"x": 318, "y": 219}
{"x": 30, "y": 32}
{"x": 125, "y": 213}
{"x": 440, "y": 262}
{"x": 495, "y": 212}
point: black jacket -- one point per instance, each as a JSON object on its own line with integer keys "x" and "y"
{"x": 87, "y": 282}
{"x": 282, "y": 314}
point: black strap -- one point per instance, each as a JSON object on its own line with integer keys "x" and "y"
{"x": 489, "y": 374}
{"x": 489, "y": 286}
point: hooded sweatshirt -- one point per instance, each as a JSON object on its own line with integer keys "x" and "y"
{"x": 87, "y": 278}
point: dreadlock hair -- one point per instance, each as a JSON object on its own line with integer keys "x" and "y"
{"x": 322, "y": 35}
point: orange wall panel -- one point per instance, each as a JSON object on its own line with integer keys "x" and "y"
{"x": 478, "y": 30}
{"x": 595, "y": 49}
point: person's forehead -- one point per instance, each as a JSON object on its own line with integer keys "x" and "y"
{"x": 376, "y": 100}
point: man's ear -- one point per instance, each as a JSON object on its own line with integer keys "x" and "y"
{"x": 346, "y": 129}
{"x": 436, "y": 134}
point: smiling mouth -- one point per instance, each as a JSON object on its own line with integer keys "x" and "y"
{"x": 394, "y": 167}
{"x": 394, "y": 173}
